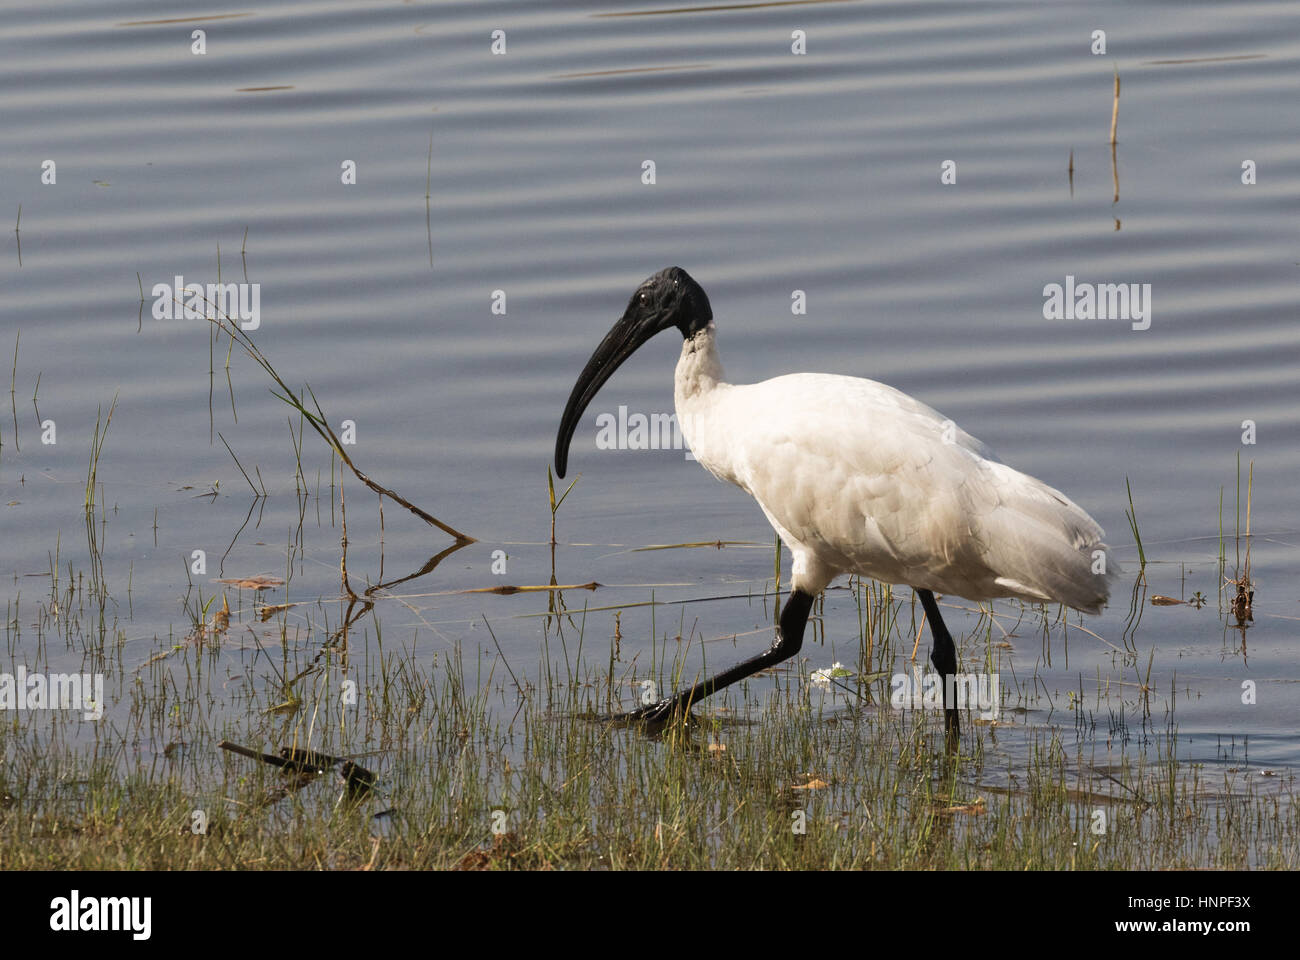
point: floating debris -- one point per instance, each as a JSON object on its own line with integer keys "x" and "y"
{"x": 507, "y": 590}
{"x": 814, "y": 784}
{"x": 258, "y": 582}
{"x": 1241, "y": 603}
{"x": 976, "y": 808}
{"x": 308, "y": 764}
{"x": 271, "y": 609}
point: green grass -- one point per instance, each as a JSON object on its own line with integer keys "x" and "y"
{"x": 1131, "y": 514}
{"x": 484, "y": 765}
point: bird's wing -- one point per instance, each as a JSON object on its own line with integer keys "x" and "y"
{"x": 868, "y": 478}
{"x": 871, "y": 480}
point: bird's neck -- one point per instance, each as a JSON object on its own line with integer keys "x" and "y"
{"x": 699, "y": 394}
{"x": 699, "y": 370}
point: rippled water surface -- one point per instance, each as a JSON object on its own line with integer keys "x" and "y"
{"x": 483, "y": 178}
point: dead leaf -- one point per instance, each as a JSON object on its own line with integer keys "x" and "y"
{"x": 813, "y": 784}
{"x": 1161, "y": 601}
{"x": 259, "y": 582}
{"x": 221, "y": 619}
{"x": 162, "y": 655}
{"x": 271, "y": 609}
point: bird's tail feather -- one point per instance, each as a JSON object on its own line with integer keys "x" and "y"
{"x": 1048, "y": 548}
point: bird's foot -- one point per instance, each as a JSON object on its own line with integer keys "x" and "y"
{"x": 656, "y": 713}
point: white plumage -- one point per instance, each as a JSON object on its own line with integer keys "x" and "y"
{"x": 857, "y": 477}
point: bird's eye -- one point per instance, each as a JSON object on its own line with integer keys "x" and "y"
{"x": 643, "y": 298}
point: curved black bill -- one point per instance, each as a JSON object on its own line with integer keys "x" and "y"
{"x": 620, "y": 343}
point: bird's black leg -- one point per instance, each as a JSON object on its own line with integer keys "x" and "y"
{"x": 944, "y": 658}
{"x": 789, "y": 638}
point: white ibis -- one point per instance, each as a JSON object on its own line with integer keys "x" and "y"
{"x": 856, "y": 477}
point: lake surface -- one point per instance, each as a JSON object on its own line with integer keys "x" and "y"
{"x": 515, "y": 181}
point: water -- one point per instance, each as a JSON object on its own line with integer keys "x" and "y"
{"x": 774, "y": 173}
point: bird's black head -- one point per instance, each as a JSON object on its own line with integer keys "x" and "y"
{"x": 671, "y": 298}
